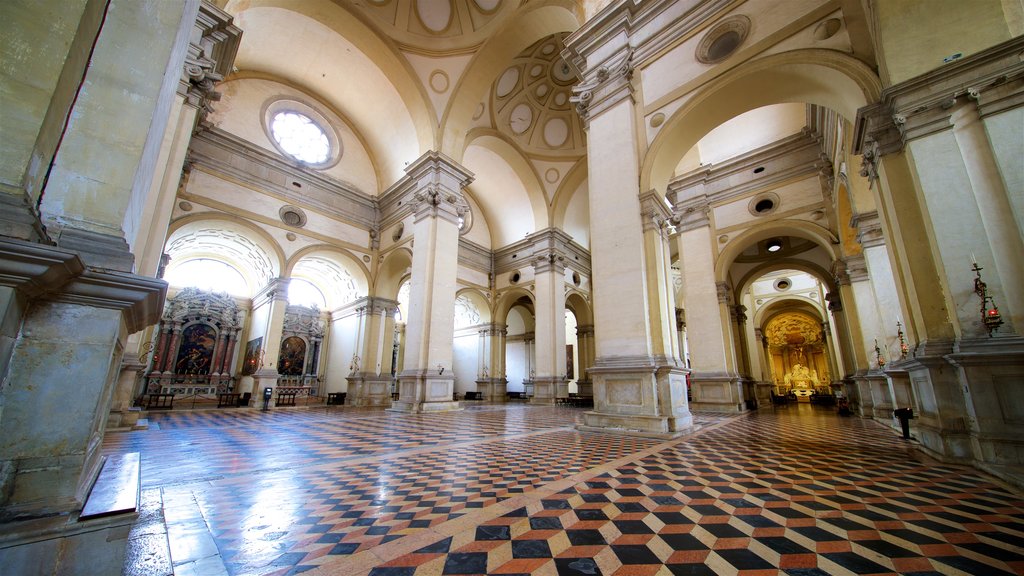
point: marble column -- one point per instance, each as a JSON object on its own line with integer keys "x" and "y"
{"x": 433, "y": 186}
{"x": 268, "y": 311}
{"x": 585, "y": 347}
{"x": 491, "y": 382}
{"x": 715, "y": 384}
{"x": 945, "y": 199}
{"x": 638, "y": 379}
{"x": 370, "y": 383}
{"x": 549, "y": 381}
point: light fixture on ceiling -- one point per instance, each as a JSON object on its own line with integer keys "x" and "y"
{"x": 774, "y": 245}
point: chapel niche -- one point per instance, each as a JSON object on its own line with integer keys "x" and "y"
{"x": 797, "y": 355}
{"x": 195, "y": 345}
{"x": 298, "y": 360}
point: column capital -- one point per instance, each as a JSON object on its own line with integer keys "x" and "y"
{"x": 275, "y": 290}
{"x": 585, "y": 330}
{"x": 432, "y": 186}
{"x": 655, "y": 212}
{"x": 869, "y": 229}
{"x": 723, "y": 289}
{"x": 549, "y": 261}
{"x": 210, "y": 57}
{"x": 692, "y": 214}
{"x": 603, "y": 86}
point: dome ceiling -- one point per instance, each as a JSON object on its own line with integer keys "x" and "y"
{"x": 437, "y": 27}
{"x": 530, "y": 101}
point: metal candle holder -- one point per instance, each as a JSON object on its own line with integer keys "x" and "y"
{"x": 989, "y": 316}
{"x": 904, "y": 349}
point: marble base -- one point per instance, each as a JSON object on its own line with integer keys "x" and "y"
{"x": 992, "y": 370}
{"x": 423, "y": 391}
{"x": 547, "y": 390}
{"x": 492, "y": 389}
{"x": 369, "y": 390}
{"x": 642, "y": 395}
{"x": 717, "y": 392}
{"x": 65, "y": 545}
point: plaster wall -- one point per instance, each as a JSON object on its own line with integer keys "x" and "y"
{"x": 914, "y": 37}
{"x": 264, "y": 208}
{"x": 1006, "y": 134}
{"x": 465, "y": 357}
{"x": 792, "y": 196}
{"x": 341, "y": 347}
{"x": 241, "y": 112}
{"x": 515, "y": 365}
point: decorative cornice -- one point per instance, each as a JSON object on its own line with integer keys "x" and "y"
{"x": 219, "y": 152}
{"x": 924, "y": 104}
{"x": 475, "y": 256}
{"x": 48, "y": 273}
{"x": 432, "y": 186}
{"x": 547, "y": 241}
{"x": 791, "y": 157}
{"x": 211, "y": 59}
{"x": 856, "y": 268}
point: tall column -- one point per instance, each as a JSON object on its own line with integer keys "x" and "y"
{"x": 715, "y": 384}
{"x": 945, "y": 196}
{"x": 549, "y": 380}
{"x": 491, "y": 382}
{"x": 370, "y": 384}
{"x": 585, "y": 345}
{"x": 639, "y": 382}
{"x": 433, "y": 186}
{"x": 268, "y": 311}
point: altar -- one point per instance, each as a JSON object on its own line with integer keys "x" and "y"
{"x": 800, "y": 382}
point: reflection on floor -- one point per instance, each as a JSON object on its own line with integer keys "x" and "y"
{"x": 515, "y": 489}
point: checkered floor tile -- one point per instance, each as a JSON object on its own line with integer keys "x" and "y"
{"x": 515, "y": 489}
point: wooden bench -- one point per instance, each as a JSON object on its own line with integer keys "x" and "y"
{"x": 473, "y": 396}
{"x": 286, "y": 398}
{"x": 228, "y": 400}
{"x": 336, "y": 398}
{"x": 160, "y": 402}
{"x": 116, "y": 490}
{"x": 514, "y": 395}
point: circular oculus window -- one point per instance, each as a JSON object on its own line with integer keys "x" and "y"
{"x": 723, "y": 40}
{"x": 301, "y": 132}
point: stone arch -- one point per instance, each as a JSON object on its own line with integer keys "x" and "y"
{"x": 580, "y": 307}
{"x": 823, "y": 77}
{"x": 799, "y": 228}
{"x": 340, "y": 258}
{"x": 509, "y": 299}
{"x": 267, "y": 258}
{"x": 477, "y": 298}
{"x": 392, "y": 273}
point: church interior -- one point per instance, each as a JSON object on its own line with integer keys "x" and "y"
{"x": 409, "y": 287}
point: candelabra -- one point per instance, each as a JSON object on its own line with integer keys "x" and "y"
{"x": 904, "y": 349}
{"x": 878, "y": 356}
{"x": 989, "y": 316}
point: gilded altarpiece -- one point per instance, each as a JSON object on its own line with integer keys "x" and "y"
{"x": 299, "y": 358}
{"x": 797, "y": 354}
{"x": 195, "y": 345}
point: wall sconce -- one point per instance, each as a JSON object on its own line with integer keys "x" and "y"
{"x": 989, "y": 316}
{"x": 774, "y": 245}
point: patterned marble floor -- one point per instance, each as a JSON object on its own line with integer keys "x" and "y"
{"x": 515, "y": 489}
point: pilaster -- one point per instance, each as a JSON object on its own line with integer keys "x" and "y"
{"x": 370, "y": 381}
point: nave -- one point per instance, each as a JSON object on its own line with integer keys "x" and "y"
{"x": 517, "y": 489}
